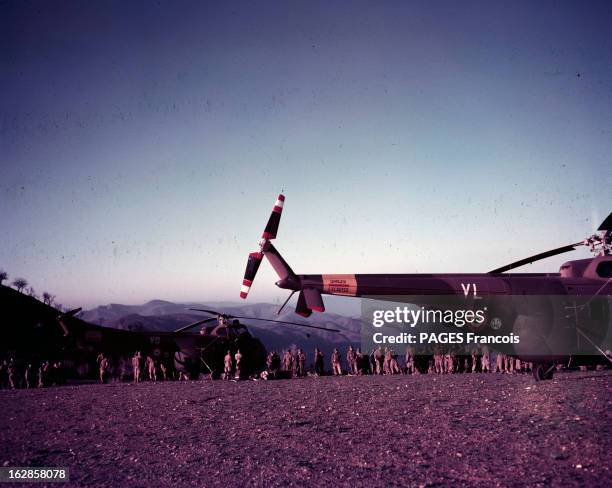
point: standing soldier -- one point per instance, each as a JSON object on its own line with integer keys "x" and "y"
{"x": 103, "y": 367}
{"x": 351, "y": 360}
{"x": 318, "y": 362}
{"x": 12, "y": 375}
{"x": 227, "y": 369}
{"x": 393, "y": 366}
{"x": 409, "y": 361}
{"x": 136, "y": 366}
{"x": 163, "y": 369}
{"x": 287, "y": 361}
{"x": 387, "y": 361}
{"x": 301, "y": 362}
{"x": 499, "y": 363}
{"x": 448, "y": 363}
{"x": 238, "y": 358}
{"x": 360, "y": 362}
{"x": 42, "y": 374}
{"x": 151, "y": 369}
{"x": 378, "y": 360}
{"x": 438, "y": 366}
{"x": 29, "y": 376}
{"x": 294, "y": 363}
{"x": 336, "y": 366}
{"x": 485, "y": 361}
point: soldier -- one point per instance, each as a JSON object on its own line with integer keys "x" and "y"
{"x": 151, "y": 368}
{"x": 360, "y": 362}
{"x": 294, "y": 364}
{"x": 287, "y": 361}
{"x": 499, "y": 363}
{"x": 301, "y": 362}
{"x": 393, "y": 364}
{"x": 351, "y": 357}
{"x": 102, "y": 367}
{"x": 29, "y": 376}
{"x": 164, "y": 370}
{"x": 387, "y": 361}
{"x": 509, "y": 363}
{"x": 12, "y": 375}
{"x": 276, "y": 361}
{"x": 238, "y": 358}
{"x": 43, "y": 374}
{"x": 409, "y": 361}
{"x": 474, "y": 360}
{"x": 318, "y": 362}
{"x": 484, "y": 366}
{"x": 227, "y": 370}
{"x": 378, "y": 360}
{"x": 448, "y": 363}
{"x": 336, "y": 366}
{"x": 438, "y": 366}
{"x": 136, "y": 366}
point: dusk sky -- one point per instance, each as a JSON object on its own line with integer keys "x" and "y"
{"x": 143, "y": 144}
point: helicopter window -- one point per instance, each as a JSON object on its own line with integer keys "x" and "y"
{"x": 604, "y": 269}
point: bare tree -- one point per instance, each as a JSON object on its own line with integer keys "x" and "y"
{"x": 3, "y": 276}
{"x": 48, "y": 298}
{"x": 20, "y": 283}
{"x": 32, "y": 292}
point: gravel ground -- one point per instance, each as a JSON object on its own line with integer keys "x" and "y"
{"x": 475, "y": 429}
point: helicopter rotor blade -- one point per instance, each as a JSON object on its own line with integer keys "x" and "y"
{"x": 290, "y": 323}
{"x": 212, "y": 312}
{"x": 195, "y": 324}
{"x": 537, "y": 257}
{"x": 69, "y": 313}
{"x": 607, "y": 223}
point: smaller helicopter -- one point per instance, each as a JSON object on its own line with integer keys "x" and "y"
{"x": 229, "y": 333}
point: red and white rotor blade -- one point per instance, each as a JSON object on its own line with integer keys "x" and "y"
{"x": 272, "y": 225}
{"x": 252, "y": 266}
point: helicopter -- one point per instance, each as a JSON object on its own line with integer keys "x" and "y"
{"x": 46, "y": 333}
{"x": 563, "y": 315}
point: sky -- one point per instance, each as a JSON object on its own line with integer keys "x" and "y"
{"x": 143, "y": 144}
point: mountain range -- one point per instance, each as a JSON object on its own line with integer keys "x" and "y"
{"x": 161, "y": 315}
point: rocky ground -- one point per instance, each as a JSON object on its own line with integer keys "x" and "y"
{"x": 476, "y": 429}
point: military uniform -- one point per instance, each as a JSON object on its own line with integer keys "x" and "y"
{"x": 238, "y": 358}
{"x": 227, "y": 366}
{"x": 136, "y": 366}
{"x": 301, "y": 362}
{"x": 318, "y": 362}
{"x": 336, "y": 366}
{"x": 409, "y": 361}
{"x": 378, "y": 360}
{"x": 351, "y": 359}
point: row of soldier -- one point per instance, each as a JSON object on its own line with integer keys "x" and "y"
{"x": 292, "y": 363}
{"x": 139, "y": 364}
{"x": 15, "y": 375}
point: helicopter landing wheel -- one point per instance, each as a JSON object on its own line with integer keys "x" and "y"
{"x": 543, "y": 371}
